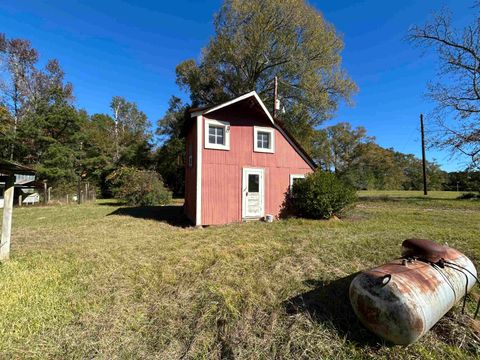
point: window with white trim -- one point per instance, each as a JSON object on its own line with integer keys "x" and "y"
{"x": 263, "y": 139}
{"x": 294, "y": 178}
{"x": 217, "y": 134}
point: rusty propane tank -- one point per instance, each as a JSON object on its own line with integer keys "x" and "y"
{"x": 401, "y": 300}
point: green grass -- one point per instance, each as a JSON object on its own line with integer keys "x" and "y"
{"x": 100, "y": 281}
{"x": 409, "y": 194}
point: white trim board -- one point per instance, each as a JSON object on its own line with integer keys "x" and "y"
{"x": 198, "y": 202}
{"x": 240, "y": 98}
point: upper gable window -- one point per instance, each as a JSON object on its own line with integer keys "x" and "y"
{"x": 217, "y": 134}
{"x": 264, "y": 139}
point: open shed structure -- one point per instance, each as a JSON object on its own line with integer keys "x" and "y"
{"x": 8, "y": 171}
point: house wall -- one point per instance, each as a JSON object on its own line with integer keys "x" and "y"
{"x": 222, "y": 170}
{"x": 191, "y": 173}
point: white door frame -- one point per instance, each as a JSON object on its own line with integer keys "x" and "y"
{"x": 245, "y": 173}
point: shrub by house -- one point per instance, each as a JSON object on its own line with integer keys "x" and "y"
{"x": 320, "y": 196}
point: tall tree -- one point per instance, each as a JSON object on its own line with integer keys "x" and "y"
{"x": 170, "y": 157}
{"x": 17, "y": 61}
{"x": 257, "y": 40}
{"x": 456, "y": 90}
{"x": 334, "y": 147}
{"x": 412, "y": 169}
{"x": 50, "y": 134}
{"x": 131, "y": 133}
{"x": 374, "y": 167}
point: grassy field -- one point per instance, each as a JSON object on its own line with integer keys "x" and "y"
{"x": 106, "y": 281}
{"x": 392, "y": 194}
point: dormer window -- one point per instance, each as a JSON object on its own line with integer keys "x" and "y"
{"x": 217, "y": 135}
{"x": 264, "y": 139}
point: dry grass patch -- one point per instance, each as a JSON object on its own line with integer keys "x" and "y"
{"x": 84, "y": 283}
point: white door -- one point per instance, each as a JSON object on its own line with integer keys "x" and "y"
{"x": 252, "y": 193}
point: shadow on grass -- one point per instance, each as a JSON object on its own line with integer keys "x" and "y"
{"x": 111, "y": 203}
{"x": 328, "y": 303}
{"x": 171, "y": 214}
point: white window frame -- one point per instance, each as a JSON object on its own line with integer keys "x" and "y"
{"x": 226, "y": 133}
{"x": 295, "y": 176}
{"x": 245, "y": 173}
{"x": 271, "y": 131}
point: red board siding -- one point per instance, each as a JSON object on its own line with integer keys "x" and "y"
{"x": 222, "y": 170}
{"x": 191, "y": 173}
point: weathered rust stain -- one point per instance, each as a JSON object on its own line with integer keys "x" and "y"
{"x": 418, "y": 325}
{"x": 403, "y": 299}
{"x": 384, "y": 312}
{"x": 415, "y": 272}
{"x": 370, "y": 312}
{"x": 424, "y": 249}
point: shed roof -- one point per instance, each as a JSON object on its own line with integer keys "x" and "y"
{"x": 8, "y": 167}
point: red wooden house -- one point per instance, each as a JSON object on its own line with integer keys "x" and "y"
{"x": 240, "y": 162}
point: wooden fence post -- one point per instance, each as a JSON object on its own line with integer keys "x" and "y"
{"x": 7, "y": 218}
{"x": 79, "y": 192}
{"x": 45, "y": 192}
{"x": 49, "y": 194}
{"x": 20, "y": 200}
{"x": 67, "y": 199}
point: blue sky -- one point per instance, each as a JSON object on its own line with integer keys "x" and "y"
{"x": 130, "y": 48}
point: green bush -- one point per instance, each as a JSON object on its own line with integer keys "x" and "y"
{"x": 320, "y": 196}
{"x": 469, "y": 196}
{"x": 139, "y": 187}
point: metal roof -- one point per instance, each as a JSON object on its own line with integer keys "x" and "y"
{"x": 11, "y": 168}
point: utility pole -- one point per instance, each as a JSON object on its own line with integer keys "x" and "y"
{"x": 425, "y": 191}
{"x": 275, "y": 94}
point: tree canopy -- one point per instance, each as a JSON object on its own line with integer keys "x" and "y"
{"x": 355, "y": 157}
{"x": 456, "y": 89}
{"x": 255, "y": 41}
{"x": 40, "y": 125}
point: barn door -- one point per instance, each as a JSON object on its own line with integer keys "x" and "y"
{"x": 253, "y": 193}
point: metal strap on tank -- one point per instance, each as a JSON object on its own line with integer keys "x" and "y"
{"x": 441, "y": 264}
{"x": 462, "y": 269}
